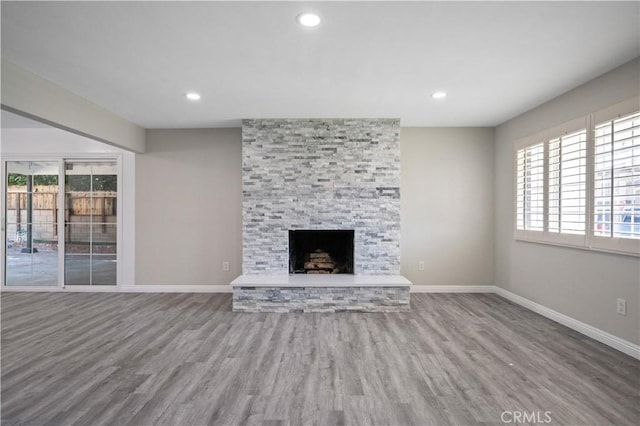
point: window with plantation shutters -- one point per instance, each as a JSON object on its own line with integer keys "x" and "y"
{"x": 530, "y": 188}
{"x": 578, "y": 184}
{"x": 568, "y": 183}
{"x": 616, "y": 207}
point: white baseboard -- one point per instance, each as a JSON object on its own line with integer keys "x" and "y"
{"x": 176, "y": 289}
{"x": 452, "y": 288}
{"x": 608, "y": 339}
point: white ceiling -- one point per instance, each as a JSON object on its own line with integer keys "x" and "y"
{"x": 366, "y": 59}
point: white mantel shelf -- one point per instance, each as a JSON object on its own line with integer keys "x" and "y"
{"x": 320, "y": 280}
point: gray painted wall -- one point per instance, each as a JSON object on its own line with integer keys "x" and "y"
{"x": 189, "y": 207}
{"x": 174, "y": 244}
{"x": 447, "y": 205}
{"x": 581, "y": 284}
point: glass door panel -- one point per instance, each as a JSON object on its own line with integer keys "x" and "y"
{"x": 90, "y": 222}
{"x": 103, "y": 252}
{"x": 31, "y": 223}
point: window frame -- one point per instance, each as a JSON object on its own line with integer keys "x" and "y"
{"x": 588, "y": 241}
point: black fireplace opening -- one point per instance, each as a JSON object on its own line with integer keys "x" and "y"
{"x": 321, "y": 251}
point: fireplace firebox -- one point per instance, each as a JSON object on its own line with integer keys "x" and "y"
{"x": 321, "y": 251}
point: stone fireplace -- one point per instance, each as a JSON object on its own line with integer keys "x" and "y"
{"x": 321, "y": 217}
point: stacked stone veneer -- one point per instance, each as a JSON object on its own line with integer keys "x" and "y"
{"x": 321, "y": 174}
{"x": 321, "y": 299}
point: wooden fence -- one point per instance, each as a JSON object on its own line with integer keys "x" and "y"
{"x": 101, "y": 203}
{"x": 44, "y": 212}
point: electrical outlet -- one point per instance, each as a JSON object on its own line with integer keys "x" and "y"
{"x": 225, "y": 266}
{"x": 621, "y": 307}
{"x": 421, "y": 265}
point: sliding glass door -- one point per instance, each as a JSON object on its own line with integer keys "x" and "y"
{"x": 61, "y": 234}
{"x": 31, "y": 214}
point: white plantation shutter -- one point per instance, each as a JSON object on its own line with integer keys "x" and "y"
{"x": 568, "y": 183}
{"x": 580, "y": 187}
{"x": 617, "y": 178}
{"x": 530, "y": 188}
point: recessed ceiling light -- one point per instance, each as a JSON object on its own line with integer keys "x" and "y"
{"x": 192, "y": 96}
{"x": 308, "y": 19}
{"x": 439, "y": 95}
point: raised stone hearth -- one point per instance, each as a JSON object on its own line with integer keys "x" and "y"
{"x": 325, "y": 293}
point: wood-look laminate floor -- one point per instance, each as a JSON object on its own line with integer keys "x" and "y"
{"x": 186, "y": 359}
